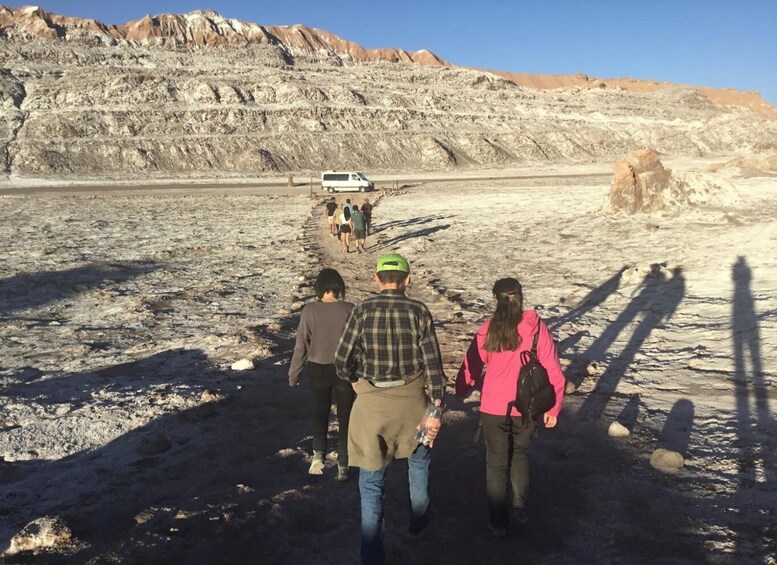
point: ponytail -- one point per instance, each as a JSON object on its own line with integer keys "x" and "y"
{"x": 503, "y": 330}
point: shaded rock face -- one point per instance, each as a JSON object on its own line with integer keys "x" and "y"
{"x": 638, "y": 183}
{"x": 202, "y": 95}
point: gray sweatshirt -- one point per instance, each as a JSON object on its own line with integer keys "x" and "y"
{"x": 318, "y": 334}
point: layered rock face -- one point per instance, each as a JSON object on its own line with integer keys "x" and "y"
{"x": 203, "y": 95}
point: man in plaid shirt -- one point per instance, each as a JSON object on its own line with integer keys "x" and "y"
{"x": 389, "y": 351}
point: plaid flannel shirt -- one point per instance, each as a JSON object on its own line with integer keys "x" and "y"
{"x": 388, "y": 337}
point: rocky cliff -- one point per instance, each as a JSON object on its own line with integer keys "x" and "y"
{"x": 202, "y": 94}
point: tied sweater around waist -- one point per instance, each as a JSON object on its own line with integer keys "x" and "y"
{"x": 383, "y": 423}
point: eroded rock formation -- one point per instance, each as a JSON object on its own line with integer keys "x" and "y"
{"x": 641, "y": 184}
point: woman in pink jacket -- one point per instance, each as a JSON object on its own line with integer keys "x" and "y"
{"x": 498, "y": 345}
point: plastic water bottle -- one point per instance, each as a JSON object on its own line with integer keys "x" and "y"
{"x": 433, "y": 412}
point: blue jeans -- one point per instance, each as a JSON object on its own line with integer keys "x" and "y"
{"x": 371, "y": 491}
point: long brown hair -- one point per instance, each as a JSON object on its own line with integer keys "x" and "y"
{"x": 503, "y": 330}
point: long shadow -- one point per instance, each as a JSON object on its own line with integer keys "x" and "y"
{"x": 578, "y": 367}
{"x": 139, "y": 495}
{"x": 412, "y": 235}
{"x": 31, "y": 290}
{"x": 593, "y": 299}
{"x": 754, "y": 420}
{"x": 78, "y": 389}
{"x": 419, "y": 221}
{"x": 657, "y": 300}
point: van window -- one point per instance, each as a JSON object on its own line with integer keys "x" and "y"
{"x": 354, "y": 177}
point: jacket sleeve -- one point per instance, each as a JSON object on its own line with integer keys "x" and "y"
{"x": 548, "y": 357}
{"x": 300, "y": 348}
{"x": 471, "y": 366}
{"x": 347, "y": 355}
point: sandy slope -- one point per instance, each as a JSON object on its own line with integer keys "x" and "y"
{"x": 120, "y": 413}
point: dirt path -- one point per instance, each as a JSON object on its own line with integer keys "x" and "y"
{"x": 458, "y": 476}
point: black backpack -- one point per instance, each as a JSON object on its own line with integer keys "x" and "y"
{"x": 534, "y": 395}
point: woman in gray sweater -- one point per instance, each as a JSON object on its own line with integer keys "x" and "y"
{"x": 320, "y": 326}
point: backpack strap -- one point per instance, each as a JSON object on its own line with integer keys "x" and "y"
{"x": 534, "y": 343}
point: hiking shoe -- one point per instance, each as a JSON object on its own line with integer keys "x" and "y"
{"x": 499, "y": 532}
{"x": 342, "y": 472}
{"x": 317, "y": 464}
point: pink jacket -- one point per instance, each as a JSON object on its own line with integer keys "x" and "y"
{"x": 502, "y": 371}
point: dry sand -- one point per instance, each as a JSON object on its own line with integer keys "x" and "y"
{"x": 122, "y": 313}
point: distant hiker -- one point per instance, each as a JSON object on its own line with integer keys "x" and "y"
{"x": 367, "y": 211}
{"x": 358, "y": 222}
{"x": 320, "y": 326}
{"x": 346, "y": 227}
{"x": 349, "y": 205}
{"x": 389, "y": 351}
{"x": 498, "y": 345}
{"x": 331, "y": 208}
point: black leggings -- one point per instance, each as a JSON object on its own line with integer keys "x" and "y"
{"x": 323, "y": 379}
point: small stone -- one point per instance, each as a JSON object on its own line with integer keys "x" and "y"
{"x": 618, "y": 430}
{"x": 54, "y": 323}
{"x": 666, "y": 460}
{"x": 299, "y": 305}
{"x": 42, "y": 533}
{"x": 243, "y": 365}
{"x": 301, "y": 278}
{"x": 211, "y": 396}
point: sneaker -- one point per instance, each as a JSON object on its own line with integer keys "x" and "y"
{"x": 499, "y": 532}
{"x": 317, "y": 464}
{"x": 342, "y": 472}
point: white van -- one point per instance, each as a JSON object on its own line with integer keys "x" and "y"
{"x": 342, "y": 181}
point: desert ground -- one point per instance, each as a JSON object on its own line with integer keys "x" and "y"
{"x": 127, "y": 437}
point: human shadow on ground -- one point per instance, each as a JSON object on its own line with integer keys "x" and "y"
{"x": 656, "y": 301}
{"x": 411, "y": 235}
{"x": 410, "y": 222}
{"x": 754, "y": 421}
{"x": 31, "y": 290}
{"x": 593, "y": 299}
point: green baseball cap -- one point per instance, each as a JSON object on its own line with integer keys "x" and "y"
{"x": 393, "y": 262}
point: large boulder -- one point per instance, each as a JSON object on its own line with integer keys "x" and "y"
{"x": 638, "y": 183}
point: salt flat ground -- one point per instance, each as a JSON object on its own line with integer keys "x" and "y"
{"x": 122, "y": 313}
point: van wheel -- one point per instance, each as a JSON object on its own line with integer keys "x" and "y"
{"x": 361, "y": 189}
{"x": 331, "y": 190}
